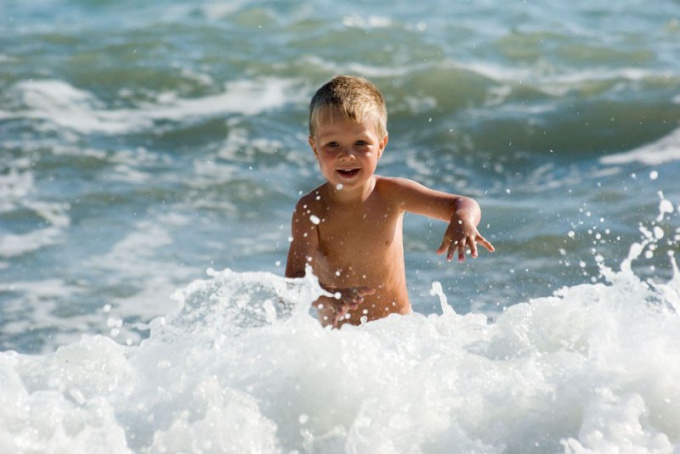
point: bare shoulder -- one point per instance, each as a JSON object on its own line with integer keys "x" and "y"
{"x": 416, "y": 198}
{"x": 399, "y": 183}
{"x": 396, "y": 188}
{"x": 310, "y": 204}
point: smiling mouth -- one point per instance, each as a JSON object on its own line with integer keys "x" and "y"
{"x": 348, "y": 172}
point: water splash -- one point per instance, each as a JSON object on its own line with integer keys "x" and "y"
{"x": 243, "y": 367}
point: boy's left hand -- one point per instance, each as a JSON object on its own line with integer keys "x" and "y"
{"x": 460, "y": 235}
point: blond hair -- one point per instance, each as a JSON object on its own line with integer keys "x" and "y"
{"x": 355, "y": 97}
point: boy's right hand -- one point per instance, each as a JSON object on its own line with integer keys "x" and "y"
{"x": 342, "y": 301}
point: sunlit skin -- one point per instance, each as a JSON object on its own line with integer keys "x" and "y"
{"x": 349, "y": 229}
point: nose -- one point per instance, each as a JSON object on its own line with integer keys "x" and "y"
{"x": 347, "y": 153}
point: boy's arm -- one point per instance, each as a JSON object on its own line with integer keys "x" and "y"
{"x": 462, "y": 213}
{"x": 304, "y": 242}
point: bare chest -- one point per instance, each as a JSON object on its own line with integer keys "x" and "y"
{"x": 360, "y": 238}
{"x": 363, "y": 225}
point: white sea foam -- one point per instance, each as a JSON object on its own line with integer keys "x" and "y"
{"x": 216, "y": 11}
{"x": 33, "y": 306}
{"x": 666, "y": 149}
{"x": 130, "y": 260}
{"x": 242, "y": 367}
{"x": 15, "y": 185}
{"x": 65, "y": 106}
{"x": 16, "y": 189}
{"x": 14, "y": 245}
{"x": 54, "y": 213}
{"x": 370, "y": 22}
{"x": 239, "y": 144}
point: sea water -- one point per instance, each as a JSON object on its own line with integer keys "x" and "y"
{"x": 150, "y": 158}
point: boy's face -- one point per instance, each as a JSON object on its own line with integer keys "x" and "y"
{"x": 347, "y": 150}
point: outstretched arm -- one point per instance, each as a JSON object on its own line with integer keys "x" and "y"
{"x": 462, "y": 213}
{"x": 462, "y": 233}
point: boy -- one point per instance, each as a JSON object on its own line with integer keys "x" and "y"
{"x": 349, "y": 229}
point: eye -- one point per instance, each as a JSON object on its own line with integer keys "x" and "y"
{"x": 361, "y": 143}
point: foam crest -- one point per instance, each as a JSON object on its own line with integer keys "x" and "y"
{"x": 17, "y": 188}
{"x": 63, "y": 105}
{"x": 664, "y": 150}
{"x": 242, "y": 366}
{"x": 59, "y": 402}
{"x": 15, "y": 184}
{"x": 14, "y": 245}
{"x": 230, "y": 302}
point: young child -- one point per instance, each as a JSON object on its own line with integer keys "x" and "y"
{"x": 349, "y": 229}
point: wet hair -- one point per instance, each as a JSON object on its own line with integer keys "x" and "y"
{"x": 355, "y": 97}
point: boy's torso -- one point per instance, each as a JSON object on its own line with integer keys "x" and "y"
{"x": 360, "y": 244}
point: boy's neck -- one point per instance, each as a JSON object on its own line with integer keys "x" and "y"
{"x": 352, "y": 195}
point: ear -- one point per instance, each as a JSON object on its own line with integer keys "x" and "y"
{"x": 310, "y": 140}
{"x": 383, "y": 144}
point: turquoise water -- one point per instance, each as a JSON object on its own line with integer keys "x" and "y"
{"x": 141, "y": 145}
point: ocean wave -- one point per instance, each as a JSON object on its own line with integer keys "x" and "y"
{"x": 242, "y": 366}
{"x": 63, "y": 105}
{"x": 664, "y": 150}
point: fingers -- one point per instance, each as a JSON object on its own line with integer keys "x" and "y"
{"x": 365, "y": 291}
{"x": 457, "y": 246}
{"x": 450, "y": 246}
{"x": 444, "y": 246}
{"x": 473, "y": 249}
{"x": 481, "y": 240}
{"x": 348, "y": 300}
{"x": 355, "y": 295}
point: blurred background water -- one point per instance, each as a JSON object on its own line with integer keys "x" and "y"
{"x": 141, "y": 143}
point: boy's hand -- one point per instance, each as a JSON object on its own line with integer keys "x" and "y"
{"x": 343, "y": 300}
{"x": 459, "y": 235}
